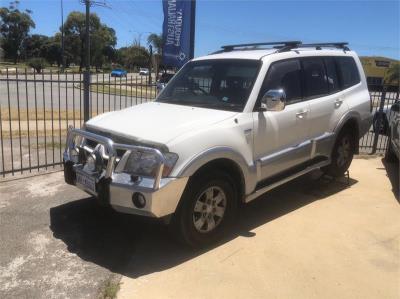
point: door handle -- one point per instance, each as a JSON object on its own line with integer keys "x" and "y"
{"x": 301, "y": 114}
{"x": 338, "y": 102}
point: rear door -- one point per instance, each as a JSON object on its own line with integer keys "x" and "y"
{"x": 326, "y": 100}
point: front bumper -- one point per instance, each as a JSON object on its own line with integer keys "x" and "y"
{"x": 117, "y": 188}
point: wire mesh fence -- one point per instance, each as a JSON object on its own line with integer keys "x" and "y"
{"x": 36, "y": 110}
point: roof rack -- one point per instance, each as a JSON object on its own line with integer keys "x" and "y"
{"x": 318, "y": 46}
{"x": 283, "y": 46}
{"x": 278, "y": 45}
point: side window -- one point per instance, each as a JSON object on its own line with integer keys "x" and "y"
{"x": 315, "y": 81}
{"x": 348, "y": 71}
{"x": 331, "y": 74}
{"x": 284, "y": 75}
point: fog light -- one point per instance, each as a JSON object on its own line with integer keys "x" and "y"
{"x": 74, "y": 155}
{"x": 138, "y": 200}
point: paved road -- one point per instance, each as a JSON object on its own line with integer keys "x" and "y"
{"x": 54, "y": 94}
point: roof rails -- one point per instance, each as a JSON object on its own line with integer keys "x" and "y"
{"x": 254, "y": 45}
{"x": 318, "y": 46}
{"x": 283, "y": 46}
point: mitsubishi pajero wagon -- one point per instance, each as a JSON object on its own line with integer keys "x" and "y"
{"x": 227, "y": 128}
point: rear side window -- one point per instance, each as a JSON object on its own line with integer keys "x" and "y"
{"x": 315, "y": 81}
{"x": 286, "y": 75}
{"x": 348, "y": 71}
{"x": 331, "y": 74}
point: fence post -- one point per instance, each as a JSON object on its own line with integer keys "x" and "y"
{"x": 379, "y": 120}
{"x": 86, "y": 95}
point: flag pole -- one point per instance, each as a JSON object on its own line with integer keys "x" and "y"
{"x": 192, "y": 28}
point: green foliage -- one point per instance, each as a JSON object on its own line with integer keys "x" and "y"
{"x": 133, "y": 56}
{"x": 102, "y": 39}
{"x": 156, "y": 41}
{"x": 14, "y": 29}
{"x": 37, "y": 63}
{"x": 34, "y": 45}
{"x": 393, "y": 74}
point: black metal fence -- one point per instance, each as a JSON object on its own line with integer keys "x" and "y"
{"x": 376, "y": 139}
{"x": 36, "y": 110}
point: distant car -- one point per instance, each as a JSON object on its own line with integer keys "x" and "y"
{"x": 162, "y": 82}
{"x": 143, "y": 71}
{"x": 393, "y": 149}
{"x": 118, "y": 73}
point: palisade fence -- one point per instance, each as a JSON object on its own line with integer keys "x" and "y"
{"x": 36, "y": 110}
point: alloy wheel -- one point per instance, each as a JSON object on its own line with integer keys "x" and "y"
{"x": 209, "y": 209}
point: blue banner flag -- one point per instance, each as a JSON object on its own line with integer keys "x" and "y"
{"x": 178, "y": 32}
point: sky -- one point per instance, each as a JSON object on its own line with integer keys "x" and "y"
{"x": 371, "y": 27}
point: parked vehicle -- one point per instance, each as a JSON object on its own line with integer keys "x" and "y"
{"x": 227, "y": 128}
{"x": 118, "y": 73}
{"x": 143, "y": 71}
{"x": 162, "y": 82}
{"x": 393, "y": 149}
{"x": 381, "y": 120}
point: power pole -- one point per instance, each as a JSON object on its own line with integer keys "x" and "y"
{"x": 86, "y": 75}
{"x": 62, "y": 38}
{"x": 150, "y": 62}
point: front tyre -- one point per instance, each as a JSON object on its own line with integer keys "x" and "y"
{"x": 342, "y": 154}
{"x": 208, "y": 206}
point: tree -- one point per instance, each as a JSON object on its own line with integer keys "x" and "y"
{"x": 35, "y": 46}
{"x": 393, "y": 74}
{"x": 156, "y": 40}
{"x": 135, "y": 56}
{"x": 102, "y": 39}
{"x": 52, "y": 50}
{"x": 14, "y": 29}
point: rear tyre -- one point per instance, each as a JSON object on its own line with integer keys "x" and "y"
{"x": 207, "y": 208}
{"x": 342, "y": 154}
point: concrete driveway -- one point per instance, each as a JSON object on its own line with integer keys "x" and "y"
{"x": 310, "y": 239}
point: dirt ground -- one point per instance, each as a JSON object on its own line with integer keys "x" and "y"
{"x": 311, "y": 238}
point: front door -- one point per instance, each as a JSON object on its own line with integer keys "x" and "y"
{"x": 281, "y": 138}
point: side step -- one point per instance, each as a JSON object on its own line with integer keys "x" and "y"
{"x": 272, "y": 183}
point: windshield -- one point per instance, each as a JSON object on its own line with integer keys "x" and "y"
{"x": 217, "y": 84}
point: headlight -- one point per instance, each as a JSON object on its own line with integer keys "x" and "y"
{"x": 146, "y": 164}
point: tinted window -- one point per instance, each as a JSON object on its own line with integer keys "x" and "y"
{"x": 348, "y": 71}
{"x": 315, "y": 82}
{"x": 284, "y": 75}
{"x": 332, "y": 77}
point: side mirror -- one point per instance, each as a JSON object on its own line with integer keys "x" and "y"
{"x": 273, "y": 100}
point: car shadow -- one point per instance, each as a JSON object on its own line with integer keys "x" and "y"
{"x": 135, "y": 246}
{"x": 392, "y": 170}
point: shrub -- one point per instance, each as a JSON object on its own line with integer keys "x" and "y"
{"x": 37, "y": 63}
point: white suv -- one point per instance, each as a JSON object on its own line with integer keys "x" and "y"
{"x": 227, "y": 128}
